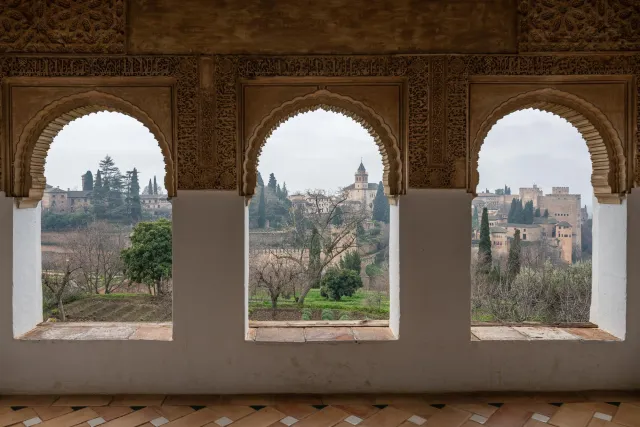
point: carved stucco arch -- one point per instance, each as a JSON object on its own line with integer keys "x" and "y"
{"x": 33, "y": 145}
{"x": 608, "y": 160}
{"x": 323, "y": 99}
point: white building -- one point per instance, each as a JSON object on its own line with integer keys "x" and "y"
{"x": 362, "y": 190}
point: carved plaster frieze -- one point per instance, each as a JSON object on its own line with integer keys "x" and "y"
{"x": 579, "y": 25}
{"x": 69, "y": 26}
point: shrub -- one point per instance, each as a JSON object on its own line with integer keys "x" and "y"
{"x": 306, "y": 316}
{"x": 345, "y": 316}
{"x": 327, "y": 314}
{"x": 337, "y": 283}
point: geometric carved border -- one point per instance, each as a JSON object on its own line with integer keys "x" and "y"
{"x": 37, "y": 136}
{"x": 382, "y": 134}
{"x": 608, "y": 155}
{"x": 191, "y": 172}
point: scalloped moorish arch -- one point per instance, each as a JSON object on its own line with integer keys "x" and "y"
{"x": 323, "y": 99}
{"x": 28, "y": 176}
{"x": 609, "y": 163}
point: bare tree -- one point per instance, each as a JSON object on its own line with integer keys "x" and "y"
{"x": 96, "y": 250}
{"x": 57, "y": 274}
{"x": 330, "y": 229}
{"x": 276, "y": 275}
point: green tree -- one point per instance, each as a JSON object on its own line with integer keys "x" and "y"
{"x": 338, "y": 217}
{"x": 360, "y": 230}
{"x": 135, "y": 207}
{"x": 278, "y": 191}
{"x": 150, "y": 188}
{"x": 99, "y": 197}
{"x": 87, "y": 181}
{"x": 512, "y": 211}
{"x": 260, "y": 180}
{"x": 148, "y": 259}
{"x": 518, "y": 214}
{"x": 513, "y": 262}
{"x": 499, "y": 191}
{"x": 285, "y": 192}
{"x": 381, "y": 205}
{"x": 537, "y": 213}
{"x": 112, "y": 186}
{"x": 484, "y": 247}
{"x": 527, "y": 213}
{"x": 337, "y": 283}
{"x": 546, "y": 213}
{"x": 155, "y": 185}
{"x": 272, "y": 182}
{"x": 351, "y": 261}
{"x": 475, "y": 220}
{"x": 262, "y": 218}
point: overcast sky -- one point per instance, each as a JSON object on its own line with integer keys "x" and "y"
{"x": 535, "y": 147}
{"x": 81, "y": 145}
{"x": 319, "y": 149}
{"x": 323, "y": 149}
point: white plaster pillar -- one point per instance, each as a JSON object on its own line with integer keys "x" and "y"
{"x": 27, "y": 269}
{"x": 394, "y": 268}
{"x": 609, "y": 295}
{"x": 435, "y": 256}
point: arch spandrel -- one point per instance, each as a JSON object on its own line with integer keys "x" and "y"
{"x": 607, "y": 151}
{"x": 382, "y": 134}
{"x": 35, "y": 140}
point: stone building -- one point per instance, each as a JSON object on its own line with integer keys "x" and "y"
{"x": 362, "y": 191}
{"x": 427, "y": 79}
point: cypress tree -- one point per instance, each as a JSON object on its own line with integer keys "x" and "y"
{"x": 381, "y": 205}
{"x": 87, "y": 181}
{"x": 150, "y": 188}
{"x": 475, "y": 220}
{"x": 512, "y": 211}
{"x": 338, "y": 217}
{"x": 155, "y": 186}
{"x": 285, "y": 192}
{"x": 484, "y": 247}
{"x": 98, "y": 197}
{"x": 527, "y": 213}
{"x": 262, "y": 212}
{"x": 518, "y": 214}
{"x": 278, "y": 192}
{"x": 260, "y": 180}
{"x": 272, "y": 182}
{"x": 513, "y": 263}
{"x": 546, "y": 213}
{"x": 537, "y": 213}
{"x": 135, "y": 207}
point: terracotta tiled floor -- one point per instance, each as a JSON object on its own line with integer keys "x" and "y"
{"x": 589, "y": 409}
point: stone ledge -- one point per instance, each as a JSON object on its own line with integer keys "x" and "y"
{"x": 100, "y": 331}
{"x": 320, "y": 334}
{"x": 538, "y": 333}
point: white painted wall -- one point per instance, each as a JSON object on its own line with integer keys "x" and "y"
{"x": 209, "y": 353}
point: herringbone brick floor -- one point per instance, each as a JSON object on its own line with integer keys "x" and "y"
{"x": 589, "y": 409}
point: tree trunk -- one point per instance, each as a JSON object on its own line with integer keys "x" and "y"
{"x": 63, "y": 316}
{"x": 274, "y": 306}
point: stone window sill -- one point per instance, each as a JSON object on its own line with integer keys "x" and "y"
{"x": 100, "y": 331}
{"x": 320, "y": 332}
{"x": 539, "y": 333}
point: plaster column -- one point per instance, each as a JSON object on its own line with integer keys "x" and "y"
{"x": 609, "y": 295}
{"x": 27, "y": 269}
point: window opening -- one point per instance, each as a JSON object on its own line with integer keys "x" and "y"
{"x": 535, "y": 171}
{"x": 106, "y": 224}
{"x": 319, "y": 224}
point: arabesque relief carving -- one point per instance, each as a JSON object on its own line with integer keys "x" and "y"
{"x": 70, "y": 26}
{"x": 38, "y": 134}
{"x": 579, "y": 25}
{"x": 380, "y": 131}
{"x": 608, "y": 158}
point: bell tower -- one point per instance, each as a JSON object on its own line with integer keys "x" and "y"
{"x": 362, "y": 178}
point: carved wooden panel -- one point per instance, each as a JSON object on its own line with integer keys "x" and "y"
{"x": 79, "y": 26}
{"x": 579, "y": 25}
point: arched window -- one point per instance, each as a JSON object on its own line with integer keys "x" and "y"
{"x": 536, "y": 184}
{"x": 319, "y": 248}
{"x": 89, "y": 177}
